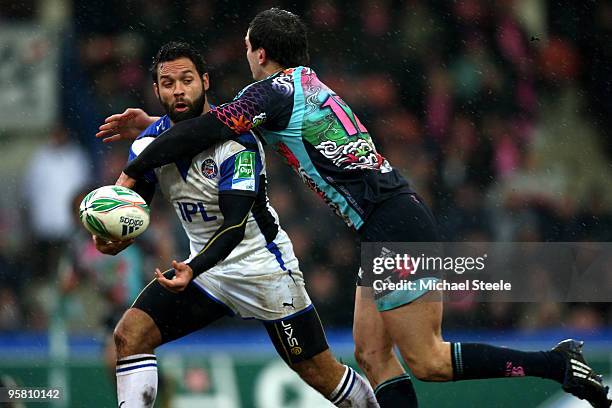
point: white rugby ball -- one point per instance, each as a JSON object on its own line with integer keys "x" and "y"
{"x": 115, "y": 213}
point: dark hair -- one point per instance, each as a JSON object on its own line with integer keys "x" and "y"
{"x": 174, "y": 50}
{"x": 283, "y": 35}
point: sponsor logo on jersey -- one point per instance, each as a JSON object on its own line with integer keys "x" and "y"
{"x": 188, "y": 209}
{"x": 244, "y": 171}
{"x": 210, "y": 169}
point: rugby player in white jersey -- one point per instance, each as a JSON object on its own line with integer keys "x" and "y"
{"x": 241, "y": 261}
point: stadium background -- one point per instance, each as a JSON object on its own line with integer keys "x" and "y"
{"x": 498, "y": 112}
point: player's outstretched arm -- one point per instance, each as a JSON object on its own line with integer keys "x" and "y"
{"x": 125, "y": 126}
{"x": 183, "y": 140}
{"x": 235, "y": 209}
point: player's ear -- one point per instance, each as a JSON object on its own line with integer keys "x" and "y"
{"x": 156, "y": 89}
{"x": 261, "y": 56}
{"x": 205, "y": 83}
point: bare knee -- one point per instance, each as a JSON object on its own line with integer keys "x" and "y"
{"x": 425, "y": 369}
{"x": 136, "y": 333}
{"x": 433, "y": 365}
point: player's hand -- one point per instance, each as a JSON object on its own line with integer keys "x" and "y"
{"x": 182, "y": 276}
{"x": 111, "y": 247}
{"x": 125, "y": 181}
{"x": 125, "y": 126}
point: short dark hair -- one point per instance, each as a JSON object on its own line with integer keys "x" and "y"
{"x": 283, "y": 35}
{"x": 174, "y": 50}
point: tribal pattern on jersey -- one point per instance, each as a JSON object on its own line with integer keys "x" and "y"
{"x": 320, "y": 137}
{"x": 334, "y": 130}
{"x": 243, "y": 114}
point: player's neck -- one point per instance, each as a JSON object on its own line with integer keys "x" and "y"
{"x": 271, "y": 69}
{"x": 206, "y": 107}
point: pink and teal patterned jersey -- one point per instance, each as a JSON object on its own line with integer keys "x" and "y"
{"x": 320, "y": 137}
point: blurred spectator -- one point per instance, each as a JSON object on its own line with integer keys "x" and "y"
{"x": 10, "y": 313}
{"x": 55, "y": 172}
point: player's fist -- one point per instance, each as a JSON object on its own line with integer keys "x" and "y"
{"x": 125, "y": 126}
{"x": 111, "y": 247}
{"x": 182, "y": 276}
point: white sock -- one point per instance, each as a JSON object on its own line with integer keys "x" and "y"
{"x": 137, "y": 381}
{"x": 353, "y": 391}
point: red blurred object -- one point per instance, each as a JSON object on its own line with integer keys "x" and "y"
{"x": 559, "y": 61}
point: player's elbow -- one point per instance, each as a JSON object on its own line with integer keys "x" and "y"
{"x": 237, "y": 239}
{"x": 237, "y": 232}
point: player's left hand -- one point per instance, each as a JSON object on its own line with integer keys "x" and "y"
{"x": 182, "y": 276}
{"x": 124, "y": 126}
{"x": 125, "y": 181}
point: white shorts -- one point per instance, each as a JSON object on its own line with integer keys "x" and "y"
{"x": 267, "y": 285}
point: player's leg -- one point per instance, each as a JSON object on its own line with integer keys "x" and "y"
{"x": 403, "y": 218}
{"x": 300, "y": 341}
{"x": 157, "y": 317}
{"x": 415, "y": 329}
{"x": 376, "y": 357}
{"x": 136, "y": 338}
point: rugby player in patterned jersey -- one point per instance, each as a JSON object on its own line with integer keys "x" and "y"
{"x": 333, "y": 153}
{"x": 241, "y": 261}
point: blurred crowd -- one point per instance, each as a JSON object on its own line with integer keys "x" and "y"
{"x": 497, "y": 112}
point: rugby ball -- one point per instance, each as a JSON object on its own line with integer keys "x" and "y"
{"x": 115, "y": 213}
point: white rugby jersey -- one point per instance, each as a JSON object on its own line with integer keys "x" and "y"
{"x": 193, "y": 189}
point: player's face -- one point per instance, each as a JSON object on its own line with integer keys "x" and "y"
{"x": 254, "y": 58}
{"x": 180, "y": 89}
